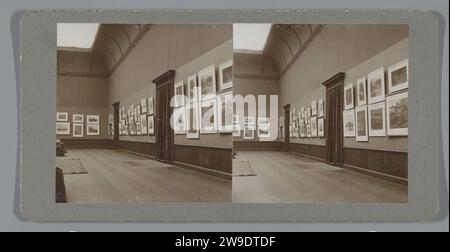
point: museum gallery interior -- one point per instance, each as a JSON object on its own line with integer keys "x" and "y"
{"x": 114, "y": 114}
{"x": 343, "y": 115}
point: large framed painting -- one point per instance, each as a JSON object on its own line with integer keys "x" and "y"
{"x": 377, "y": 121}
{"x": 362, "y": 134}
{"x": 236, "y": 126}
{"x": 263, "y": 127}
{"x": 179, "y": 94}
{"x": 78, "y": 130}
{"x": 361, "y": 91}
{"x": 313, "y": 126}
{"x": 179, "y": 121}
{"x": 348, "y": 96}
{"x": 208, "y": 117}
{"x": 249, "y": 133}
{"x": 144, "y": 128}
{"x": 151, "y": 125}
{"x": 93, "y": 130}
{"x": 78, "y": 118}
{"x": 376, "y": 87}
{"x": 93, "y": 119}
{"x": 348, "y": 118}
{"x": 144, "y": 105}
{"x": 151, "y": 105}
{"x": 314, "y": 107}
{"x": 226, "y": 75}
{"x": 320, "y": 127}
{"x": 225, "y": 109}
{"x": 192, "y": 88}
{"x": 193, "y": 124}
{"x": 398, "y": 76}
{"x": 62, "y": 116}
{"x": 63, "y": 128}
{"x": 320, "y": 106}
{"x": 397, "y": 114}
{"x": 207, "y": 83}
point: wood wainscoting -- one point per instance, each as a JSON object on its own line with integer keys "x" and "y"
{"x": 143, "y": 148}
{"x": 88, "y": 143}
{"x": 257, "y": 146}
{"x": 313, "y": 151}
{"x": 388, "y": 165}
{"x": 209, "y": 160}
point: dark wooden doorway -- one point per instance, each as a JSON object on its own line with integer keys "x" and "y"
{"x": 287, "y": 119}
{"x": 116, "y": 107}
{"x": 164, "y": 134}
{"x": 334, "y": 139}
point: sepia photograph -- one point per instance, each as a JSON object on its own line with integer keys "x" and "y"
{"x": 348, "y": 92}
{"x": 398, "y": 76}
{"x": 362, "y": 134}
{"x": 377, "y": 119}
{"x": 397, "y": 119}
{"x": 361, "y": 90}
{"x": 62, "y": 116}
{"x": 207, "y": 83}
{"x": 349, "y": 123}
{"x": 78, "y": 130}
{"x": 376, "y": 86}
{"x": 62, "y": 128}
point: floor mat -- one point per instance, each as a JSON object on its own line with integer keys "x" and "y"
{"x": 70, "y": 165}
{"x": 242, "y": 168}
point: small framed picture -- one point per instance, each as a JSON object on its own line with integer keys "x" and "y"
{"x": 139, "y": 128}
{"x": 192, "y": 88}
{"x": 208, "y": 117}
{"x": 308, "y": 131}
{"x": 320, "y": 127}
{"x": 78, "y": 130}
{"x": 361, "y": 91}
{"x": 225, "y": 112}
{"x": 192, "y": 118}
{"x": 398, "y": 76}
{"x": 348, "y": 96}
{"x": 144, "y": 105}
{"x": 144, "y": 127}
{"x": 63, "y": 128}
{"x": 249, "y": 121}
{"x": 92, "y": 119}
{"x": 93, "y": 130}
{"x": 207, "y": 83}
{"x": 313, "y": 126}
{"x": 376, "y": 86}
{"x": 249, "y": 133}
{"x": 321, "y": 108}
{"x": 397, "y": 114}
{"x": 179, "y": 94}
{"x": 179, "y": 121}
{"x": 314, "y": 107}
{"x": 138, "y": 112}
{"x": 151, "y": 106}
{"x": 349, "y": 123}
{"x": 263, "y": 127}
{"x": 62, "y": 116}
{"x": 150, "y": 125}
{"x": 377, "y": 115}
{"x": 226, "y": 75}
{"x": 236, "y": 126}
{"x": 78, "y": 118}
{"x": 362, "y": 134}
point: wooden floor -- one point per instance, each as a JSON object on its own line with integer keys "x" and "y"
{"x": 285, "y": 177}
{"x": 121, "y": 177}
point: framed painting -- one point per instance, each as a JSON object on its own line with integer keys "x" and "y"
{"x": 150, "y": 125}
{"x": 208, "y": 117}
{"x": 313, "y": 126}
{"x": 263, "y": 127}
{"x": 192, "y": 88}
{"x": 78, "y": 130}
{"x": 151, "y": 106}
{"x": 226, "y": 75}
{"x": 320, "y": 127}
{"x": 348, "y": 119}
{"x": 207, "y": 83}
{"x": 93, "y": 119}
{"x": 179, "y": 121}
{"x": 225, "y": 105}
{"x": 236, "y": 126}
{"x": 62, "y": 116}
{"x": 320, "y": 107}
{"x": 398, "y": 76}
{"x": 376, "y": 86}
{"x": 397, "y": 114}
{"x": 348, "y": 97}
{"x": 193, "y": 124}
{"x": 144, "y": 127}
{"x": 314, "y": 107}
{"x": 179, "y": 94}
{"x": 377, "y": 119}
{"x": 361, "y": 91}
{"x": 78, "y": 118}
{"x": 63, "y": 128}
{"x": 362, "y": 134}
{"x": 249, "y": 133}
{"x": 144, "y": 105}
{"x": 93, "y": 130}
{"x": 249, "y": 121}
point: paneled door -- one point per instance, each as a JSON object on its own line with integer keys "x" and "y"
{"x": 164, "y": 134}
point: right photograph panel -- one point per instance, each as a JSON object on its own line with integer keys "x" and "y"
{"x": 320, "y": 114}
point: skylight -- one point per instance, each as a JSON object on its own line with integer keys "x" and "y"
{"x": 250, "y": 37}
{"x": 76, "y": 35}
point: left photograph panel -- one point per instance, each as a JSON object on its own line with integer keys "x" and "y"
{"x": 139, "y": 115}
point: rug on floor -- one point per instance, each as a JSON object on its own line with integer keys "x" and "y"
{"x": 242, "y": 168}
{"x": 70, "y": 165}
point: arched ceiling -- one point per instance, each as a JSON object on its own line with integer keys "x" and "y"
{"x": 114, "y": 41}
{"x": 287, "y": 41}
